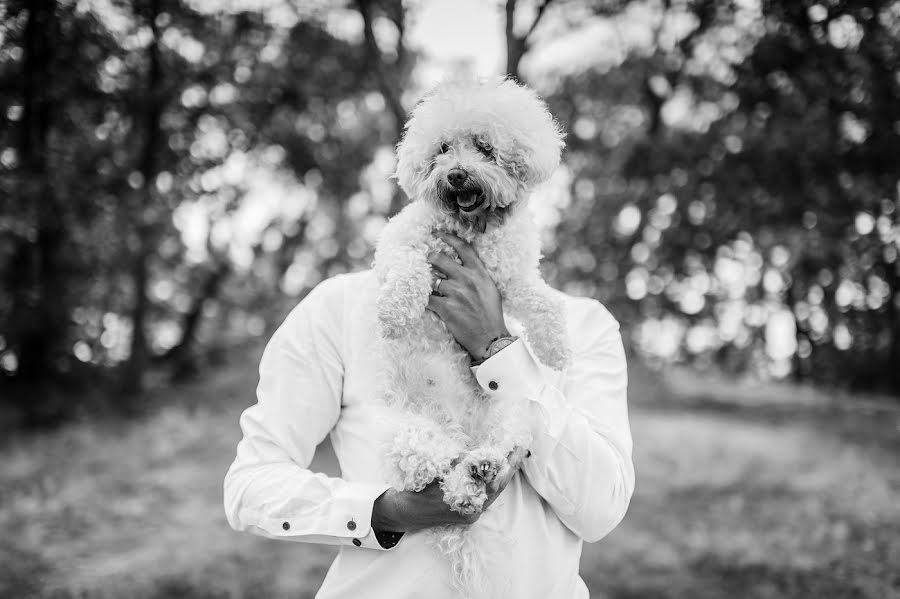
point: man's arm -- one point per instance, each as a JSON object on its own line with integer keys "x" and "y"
{"x": 269, "y": 490}
{"x": 581, "y": 454}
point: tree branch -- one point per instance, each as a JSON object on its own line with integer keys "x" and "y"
{"x": 537, "y": 19}
{"x": 387, "y": 87}
{"x": 517, "y": 46}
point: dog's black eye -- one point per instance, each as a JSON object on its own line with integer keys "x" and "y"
{"x": 484, "y": 147}
{"x": 445, "y": 147}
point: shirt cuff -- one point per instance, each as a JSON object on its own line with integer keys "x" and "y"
{"x": 513, "y": 374}
{"x": 349, "y": 517}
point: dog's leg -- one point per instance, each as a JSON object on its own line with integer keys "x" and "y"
{"x": 403, "y": 272}
{"x": 542, "y": 312}
{"x": 463, "y": 492}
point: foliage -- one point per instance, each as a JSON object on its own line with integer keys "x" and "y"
{"x": 737, "y": 188}
{"x": 175, "y": 174}
{"x": 133, "y": 135}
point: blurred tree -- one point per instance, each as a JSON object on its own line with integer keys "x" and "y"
{"x": 49, "y": 160}
{"x": 173, "y": 175}
{"x": 150, "y": 104}
{"x": 161, "y": 112}
{"x": 734, "y": 182}
{"x": 35, "y": 274}
{"x": 517, "y": 44}
{"x": 391, "y": 69}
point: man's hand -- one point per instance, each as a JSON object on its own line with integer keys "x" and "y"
{"x": 469, "y": 302}
{"x": 409, "y": 511}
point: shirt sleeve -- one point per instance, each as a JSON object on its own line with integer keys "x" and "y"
{"x": 580, "y": 460}
{"x": 269, "y": 489}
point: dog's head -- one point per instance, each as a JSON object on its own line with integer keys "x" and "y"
{"x": 477, "y": 148}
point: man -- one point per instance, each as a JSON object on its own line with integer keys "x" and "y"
{"x": 318, "y": 378}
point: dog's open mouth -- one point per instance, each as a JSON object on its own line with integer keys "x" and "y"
{"x": 467, "y": 199}
{"x": 470, "y": 204}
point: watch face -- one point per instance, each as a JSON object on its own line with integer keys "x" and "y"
{"x": 500, "y": 344}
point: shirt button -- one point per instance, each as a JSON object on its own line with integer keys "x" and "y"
{"x": 357, "y": 542}
{"x": 351, "y": 525}
{"x": 493, "y": 385}
{"x": 286, "y": 526}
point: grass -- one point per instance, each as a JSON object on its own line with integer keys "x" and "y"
{"x": 743, "y": 491}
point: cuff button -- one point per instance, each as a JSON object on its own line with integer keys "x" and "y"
{"x": 351, "y": 525}
{"x": 493, "y": 385}
{"x": 357, "y": 542}
{"x": 286, "y": 526}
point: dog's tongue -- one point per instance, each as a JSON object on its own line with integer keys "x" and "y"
{"x": 467, "y": 201}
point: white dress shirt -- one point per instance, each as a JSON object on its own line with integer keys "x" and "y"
{"x": 318, "y": 377}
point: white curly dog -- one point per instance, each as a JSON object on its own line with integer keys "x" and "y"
{"x": 471, "y": 154}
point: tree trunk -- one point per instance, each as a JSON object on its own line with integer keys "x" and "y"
{"x": 388, "y": 79}
{"x": 654, "y": 108}
{"x": 798, "y": 367}
{"x": 893, "y": 360}
{"x": 515, "y": 46}
{"x": 143, "y": 213}
{"x": 40, "y": 309}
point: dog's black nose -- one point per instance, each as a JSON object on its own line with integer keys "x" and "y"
{"x": 457, "y": 177}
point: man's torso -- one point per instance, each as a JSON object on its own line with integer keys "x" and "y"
{"x": 533, "y": 550}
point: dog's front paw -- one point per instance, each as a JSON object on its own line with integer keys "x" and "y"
{"x": 486, "y": 464}
{"x": 463, "y": 493}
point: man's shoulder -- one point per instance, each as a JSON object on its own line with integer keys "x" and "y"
{"x": 344, "y": 287}
{"x": 332, "y": 299}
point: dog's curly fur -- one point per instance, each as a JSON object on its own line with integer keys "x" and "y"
{"x": 505, "y": 141}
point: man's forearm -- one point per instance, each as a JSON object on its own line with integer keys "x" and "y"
{"x": 581, "y": 463}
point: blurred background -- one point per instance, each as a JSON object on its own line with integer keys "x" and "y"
{"x": 176, "y": 174}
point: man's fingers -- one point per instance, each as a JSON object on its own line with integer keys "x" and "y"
{"x": 449, "y": 287}
{"x": 466, "y": 252}
{"x": 437, "y": 303}
{"x": 444, "y": 264}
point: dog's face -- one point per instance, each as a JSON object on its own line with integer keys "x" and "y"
{"x": 476, "y": 149}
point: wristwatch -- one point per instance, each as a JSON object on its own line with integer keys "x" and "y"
{"x": 496, "y": 344}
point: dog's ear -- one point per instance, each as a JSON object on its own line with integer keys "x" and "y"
{"x": 405, "y": 171}
{"x": 538, "y": 137}
{"x": 533, "y": 165}
{"x": 413, "y": 150}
